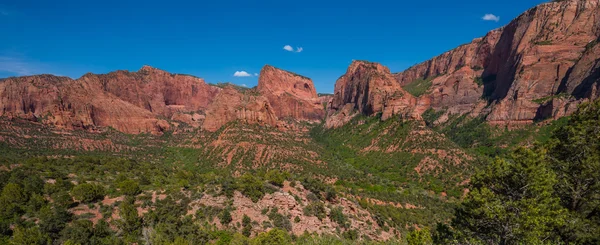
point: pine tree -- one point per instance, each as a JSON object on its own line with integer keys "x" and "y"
{"x": 574, "y": 155}
{"x": 512, "y": 202}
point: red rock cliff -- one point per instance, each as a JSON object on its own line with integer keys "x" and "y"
{"x": 131, "y": 102}
{"x": 368, "y": 88}
{"x": 68, "y": 103}
{"x": 157, "y": 91}
{"x": 232, "y": 105}
{"x": 541, "y": 65}
{"x": 291, "y": 95}
{"x": 135, "y": 102}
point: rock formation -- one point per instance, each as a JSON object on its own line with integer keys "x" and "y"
{"x": 368, "y": 88}
{"x": 152, "y": 100}
{"x": 539, "y": 66}
{"x": 231, "y": 105}
{"x": 68, "y": 103}
{"x": 290, "y": 94}
{"x": 157, "y": 91}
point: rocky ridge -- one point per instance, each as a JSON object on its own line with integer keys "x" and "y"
{"x": 368, "y": 88}
{"x": 152, "y": 100}
{"x": 290, "y": 94}
{"x": 541, "y": 65}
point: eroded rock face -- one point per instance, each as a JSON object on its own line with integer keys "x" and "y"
{"x": 534, "y": 55}
{"x": 368, "y": 88}
{"x": 130, "y": 102}
{"x": 539, "y": 66}
{"x": 475, "y": 55}
{"x": 136, "y": 102}
{"x": 68, "y": 103}
{"x": 157, "y": 91}
{"x": 231, "y": 105}
{"x": 290, "y": 94}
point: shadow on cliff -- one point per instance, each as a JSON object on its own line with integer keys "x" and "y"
{"x": 499, "y": 75}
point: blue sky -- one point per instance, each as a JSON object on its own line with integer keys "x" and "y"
{"x": 215, "y": 39}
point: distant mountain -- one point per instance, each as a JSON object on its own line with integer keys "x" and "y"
{"x": 152, "y": 100}
{"x": 540, "y": 66}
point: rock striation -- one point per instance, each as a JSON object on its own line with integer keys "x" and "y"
{"x": 232, "y": 105}
{"x": 290, "y": 94}
{"x": 70, "y": 104}
{"x": 153, "y": 100}
{"x": 368, "y": 88}
{"x": 539, "y": 66}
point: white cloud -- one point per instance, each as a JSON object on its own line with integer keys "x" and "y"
{"x": 241, "y": 74}
{"x": 291, "y": 49}
{"x": 256, "y": 74}
{"x": 288, "y": 48}
{"x": 244, "y": 85}
{"x": 491, "y": 17}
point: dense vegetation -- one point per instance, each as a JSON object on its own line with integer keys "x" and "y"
{"x": 547, "y": 193}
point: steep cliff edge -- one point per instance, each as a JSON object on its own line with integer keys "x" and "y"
{"x": 291, "y": 95}
{"x": 368, "y": 88}
{"x": 231, "y": 105}
{"x": 67, "y": 103}
{"x": 539, "y": 66}
{"x": 157, "y": 91}
{"x": 153, "y": 100}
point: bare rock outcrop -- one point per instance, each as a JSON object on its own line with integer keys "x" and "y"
{"x": 291, "y": 95}
{"x": 157, "y": 91}
{"x": 539, "y": 66}
{"x": 231, "y": 105}
{"x": 70, "y": 104}
{"x": 368, "y": 88}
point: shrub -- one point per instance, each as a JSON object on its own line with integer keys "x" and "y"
{"x": 225, "y": 217}
{"x": 316, "y": 209}
{"x": 350, "y": 234}
{"x": 545, "y": 42}
{"x": 79, "y": 232}
{"x": 312, "y": 197}
{"x": 419, "y": 237}
{"x": 273, "y": 237}
{"x": 430, "y": 116}
{"x": 330, "y": 194}
{"x": 207, "y": 212}
{"x": 228, "y": 186}
{"x": 129, "y": 187}
{"x": 88, "y": 192}
{"x": 14, "y": 194}
{"x": 418, "y": 87}
{"x": 279, "y": 220}
{"x": 337, "y": 215}
{"x": 314, "y": 186}
{"x": 247, "y": 226}
{"x": 478, "y": 81}
{"x": 130, "y": 221}
{"x": 275, "y": 177}
{"x": 29, "y": 236}
{"x": 252, "y": 187}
